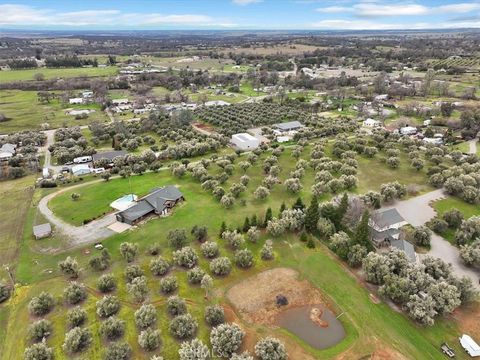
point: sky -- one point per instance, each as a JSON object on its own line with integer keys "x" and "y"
{"x": 239, "y": 14}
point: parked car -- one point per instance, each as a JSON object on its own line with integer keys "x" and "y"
{"x": 447, "y": 350}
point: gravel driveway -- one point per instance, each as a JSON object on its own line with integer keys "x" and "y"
{"x": 78, "y": 235}
{"x": 417, "y": 211}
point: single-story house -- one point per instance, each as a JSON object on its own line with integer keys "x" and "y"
{"x": 80, "y": 169}
{"x": 216, "y": 103}
{"x": 159, "y": 201}
{"x": 408, "y": 130}
{"x": 108, "y": 155}
{"x": 288, "y": 126}
{"x": 79, "y": 112}
{"x": 371, "y": 123}
{"x": 245, "y": 141}
{"x": 407, "y": 247}
{"x": 42, "y": 231}
{"x": 7, "y": 151}
{"x": 120, "y": 101}
{"x": 75, "y": 101}
{"x": 470, "y": 346}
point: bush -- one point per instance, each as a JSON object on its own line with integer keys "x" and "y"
{"x": 76, "y": 317}
{"x": 149, "y": 339}
{"x": 106, "y": 283}
{"x": 145, "y": 316}
{"x": 185, "y": 257}
{"x": 159, "y": 266}
{"x": 77, "y": 340}
{"x": 38, "y": 351}
{"x": 253, "y": 234}
{"x": 214, "y": 315}
{"x": 453, "y": 218}
{"x": 107, "y": 306}
{"x": 138, "y": 288}
{"x": 69, "y": 267}
{"x": 154, "y": 249}
{"x": 234, "y": 239}
{"x": 221, "y": 266}
{"x": 183, "y": 326}
{"x": 128, "y": 251}
{"x": 41, "y": 305}
{"x": 421, "y": 235}
{"x": 261, "y": 193}
{"x": 118, "y": 351}
{"x": 193, "y": 350}
{"x": 168, "y": 284}
{"x": 438, "y": 225}
{"x": 244, "y": 258}
{"x": 100, "y": 262}
{"x": 210, "y": 249}
{"x": 132, "y": 272}
{"x": 39, "y": 330}
{"x": 176, "y": 305}
{"x": 177, "y": 238}
{"x": 270, "y": 348}
{"x": 266, "y": 253}
{"x": 226, "y": 339}
{"x": 195, "y": 275}
{"x": 199, "y": 233}
{"x": 112, "y": 328}
{"x": 74, "y": 293}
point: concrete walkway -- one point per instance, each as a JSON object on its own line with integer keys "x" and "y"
{"x": 78, "y": 235}
{"x": 417, "y": 211}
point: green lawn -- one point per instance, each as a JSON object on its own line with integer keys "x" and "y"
{"x": 468, "y": 210}
{"x": 26, "y": 112}
{"x": 26, "y": 75}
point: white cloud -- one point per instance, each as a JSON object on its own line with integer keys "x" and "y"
{"x": 245, "y": 2}
{"x": 459, "y": 8}
{"x": 376, "y": 10}
{"x": 22, "y": 15}
{"x": 334, "y": 9}
{"x": 340, "y": 24}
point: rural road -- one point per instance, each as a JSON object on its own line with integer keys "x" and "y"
{"x": 417, "y": 211}
{"x": 78, "y": 235}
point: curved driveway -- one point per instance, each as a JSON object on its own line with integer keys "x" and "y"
{"x": 417, "y": 211}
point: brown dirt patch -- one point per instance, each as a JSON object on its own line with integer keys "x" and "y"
{"x": 255, "y": 297}
{"x": 467, "y": 317}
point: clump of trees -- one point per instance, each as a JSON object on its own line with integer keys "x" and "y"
{"x": 221, "y": 266}
{"x": 42, "y": 304}
{"x": 270, "y": 348}
{"x": 185, "y": 257}
{"x": 226, "y": 339}
{"x": 214, "y": 315}
{"x": 128, "y": 251}
{"x": 193, "y": 350}
{"x": 183, "y": 326}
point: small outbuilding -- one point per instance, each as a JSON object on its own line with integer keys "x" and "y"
{"x": 470, "y": 345}
{"x": 371, "y": 123}
{"x": 245, "y": 141}
{"x": 81, "y": 169}
{"x": 42, "y": 231}
{"x": 288, "y": 126}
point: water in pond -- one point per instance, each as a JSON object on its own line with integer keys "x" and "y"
{"x": 297, "y": 321}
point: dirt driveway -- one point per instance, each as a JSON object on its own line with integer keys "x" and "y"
{"x": 417, "y": 211}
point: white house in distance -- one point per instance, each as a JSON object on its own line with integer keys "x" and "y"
{"x": 408, "y": 130}
{"x": 244, "y": 141}
{"x": 371, "y": 123}
{"x": 120, "y": 101}
{"x": 75, "y": 101}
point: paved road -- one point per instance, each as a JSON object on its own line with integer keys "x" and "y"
{"x": 78, "y": 235}
{"x": 417, "y": 211}
{"x": 473, "y": 146}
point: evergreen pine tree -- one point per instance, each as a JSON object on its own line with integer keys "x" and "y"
{"x": 268, "y": 217}
{"x": 299, "y": 205}
{"x": 362, "y": 232}
{"x": 254, "y": 221}
{"x": 312, "y": 216}
{"x": 282, "y": 208}
{"x": 246, "y": 224}
{"x": 223, "y": 228}
{"x": 342, "y": 207}
{"x": 329, "y": 211}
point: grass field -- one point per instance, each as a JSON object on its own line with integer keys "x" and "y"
{"x": 27, "y": 75}
{"x": 27, "y": 113}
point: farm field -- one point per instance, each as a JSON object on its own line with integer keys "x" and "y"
{"x": 48, "y": 73}
{"x": 25, "y": 112}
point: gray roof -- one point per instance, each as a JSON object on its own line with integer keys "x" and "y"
{"x": 390, "y": 234}
{"x": 42, "y": 230}
{"x": 10, "y": 148}
{"x": 389, "y": 217}
{"x": 154, "y": 201}
{"x": 405, "y": 246}
{"x": 109, "y": 155}
{"x": 291, "y": 125}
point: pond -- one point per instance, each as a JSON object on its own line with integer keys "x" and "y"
{"x": 298, "y": 320}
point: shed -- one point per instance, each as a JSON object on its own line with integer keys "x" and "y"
{"x": 42, "y": 231}
{"x": 81, "y": 169}
{"x": 245, "y": 141}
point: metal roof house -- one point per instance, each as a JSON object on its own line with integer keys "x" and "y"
{"x": 108, "y": 155}
{"x": 159, "y": 201}
{"x": 42, "y": 231}
{"x": 387, "y": 219}
{"x": 245, "y": 141}
{"x": 288, "y": 126}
